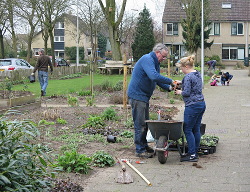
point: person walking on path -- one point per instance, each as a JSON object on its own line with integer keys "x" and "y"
{"x": 42, "y": 64}
{"x": 145, "y": 77}
{"x": 195, "y": 107}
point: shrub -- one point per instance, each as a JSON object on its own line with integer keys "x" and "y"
{"x": 72, "y": 161}
{"x": 118, "y": 86}
{"x": 72, "y": 101}
{"x": 22, "y": 165}
{"x": 94, "y": 121}
{"x": 102, "y": 159}
{"x": 127, "y": 134}
{"x": 109, "y": 114}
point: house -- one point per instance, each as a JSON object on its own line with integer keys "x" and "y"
{"x": 65, "y": 35}
{"x": 230, "y": 30}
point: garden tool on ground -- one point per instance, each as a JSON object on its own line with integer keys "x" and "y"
{"x": 123, "y": 175}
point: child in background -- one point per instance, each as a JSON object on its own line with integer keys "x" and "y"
{"x": 226, "y": 77}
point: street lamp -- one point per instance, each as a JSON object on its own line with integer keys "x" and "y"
{"x": 77, "y": 37}
{"x": 202, "y": 43}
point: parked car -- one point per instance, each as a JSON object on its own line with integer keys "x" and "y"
{"x": 10, "y": 64}
{"x": 61, "y": 62}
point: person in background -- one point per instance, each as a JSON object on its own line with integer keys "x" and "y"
{"x": 42, "y": 64}
{"x": 195, "y": 107}
{"x": 145, "y": 77}
{"x": 211, "y": 64}
{"x": 226, "y": 77}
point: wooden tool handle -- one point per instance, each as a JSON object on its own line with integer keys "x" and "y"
{"x": 129, "y": 164}
{"x": 122, "y": 164}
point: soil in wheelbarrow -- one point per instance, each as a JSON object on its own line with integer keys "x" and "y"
{"x": 57, "y": 136}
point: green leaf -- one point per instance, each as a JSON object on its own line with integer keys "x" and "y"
{"x": 43, "y": 161}
{"x": 5, "y": 179}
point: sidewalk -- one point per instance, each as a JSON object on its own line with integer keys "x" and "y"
{"x": 228, "y": 170}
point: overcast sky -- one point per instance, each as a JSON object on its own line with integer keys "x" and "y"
{"x": 156, "y": 7}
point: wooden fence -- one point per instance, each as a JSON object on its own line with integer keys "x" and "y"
{"x": 19, "y": 75}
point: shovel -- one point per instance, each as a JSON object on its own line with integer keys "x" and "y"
{"x": 123, "y": 176}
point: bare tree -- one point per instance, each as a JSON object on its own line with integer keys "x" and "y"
{"x": 51, "y": 11}
{"x": 93, "y": 19}
{"x": 3, "y": 25}
{"x": 27, "y": 10}
{"x": 10, "y": 6}
{"x": 113, "y": 23}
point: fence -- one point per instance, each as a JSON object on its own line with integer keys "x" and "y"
{"x": 20, "y": 75}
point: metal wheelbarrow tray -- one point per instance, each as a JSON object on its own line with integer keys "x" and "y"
{"x": 163, "y": 131}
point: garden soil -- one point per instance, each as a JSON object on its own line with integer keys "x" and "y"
{"x": 55, "y": 107}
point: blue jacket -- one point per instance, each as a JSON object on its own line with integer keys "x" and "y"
{"x": 145, "y": 77}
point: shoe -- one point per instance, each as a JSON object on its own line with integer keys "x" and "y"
{"x": 149, "y": 149}
{"x": 42, "y": 93}
{"x": 144, "y": 155}
{"x": 186, "y": 154}
{"x": 189, "y": 158}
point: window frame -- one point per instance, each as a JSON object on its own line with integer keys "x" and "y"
{"x": 215, "y": 26}
{"x": 59, "y": 25}
{"x": 231, "y": 51}
{"x": 235, "y": 26}
{"x": 174, "y": 29}
{"x": 58, "y": 38}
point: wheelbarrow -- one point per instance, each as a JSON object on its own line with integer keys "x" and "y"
{"x": 166, "y": 133}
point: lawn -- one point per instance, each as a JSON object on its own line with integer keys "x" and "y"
{"x": 66, "y": 86}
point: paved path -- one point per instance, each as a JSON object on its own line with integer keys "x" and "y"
{"x": 227, "y": 170}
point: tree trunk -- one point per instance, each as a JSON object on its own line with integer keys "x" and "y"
{"x": 113, "y": 25}
{"x": 51, "y": 36}
{"x": 1, "y": 45}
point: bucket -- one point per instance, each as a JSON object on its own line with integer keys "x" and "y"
{"x": 111, "y": 139}
{"x": 32, "y": 78}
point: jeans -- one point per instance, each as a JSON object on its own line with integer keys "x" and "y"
{"x": 191, "y": 127}
{"x": 43, "y": 79}
{"x": 140, "y": 113}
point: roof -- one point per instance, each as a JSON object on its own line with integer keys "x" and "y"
{"x": 239, "y": 11}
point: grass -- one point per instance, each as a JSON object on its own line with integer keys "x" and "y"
{"x": 63, "y": 87}
{"x": 67, "y": 86}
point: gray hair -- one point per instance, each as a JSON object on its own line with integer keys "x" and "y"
{"x": 159, "y": 47}
{"x": 41, "y": 51}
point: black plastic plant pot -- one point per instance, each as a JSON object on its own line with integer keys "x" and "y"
{"x": 111, "y": 139}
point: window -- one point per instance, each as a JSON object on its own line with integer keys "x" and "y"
{"x": 59, "y": 39}
{"x": 59, "y": 25}
{"x": 226, "y": 6}
{"x": 232, "y": 53}
{"x": 215, "y": 29}
{"x": 172, "y": 29}
{"x": 237, "y": 29}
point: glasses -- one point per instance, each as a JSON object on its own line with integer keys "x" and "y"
{"x": 164, "y": 56}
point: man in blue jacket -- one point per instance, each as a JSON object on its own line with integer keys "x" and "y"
{"x": 145, "y": 77}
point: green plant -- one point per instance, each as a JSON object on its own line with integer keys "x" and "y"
{"x": 171, "y": 101}
{"x": 102, "y": 159}
{"x": 72, "y": 101}
{"x": 44, "y": 122}
{"x": 61, "y": 121}
{"x": 90, "y": 100}
{"x": 22, "y": 164}
{"x": 72, "y": 161}
{"x": 127, "y": 134}
{"x": 129, "y": 123}
{"x": 109, "y": 114}
{"x": 94, "y": 121}
{"x": 106, "y": 85}
{"x": 118, "y": 86}
{"x": 84, "y": 93}
{"x": 153, "y": 116}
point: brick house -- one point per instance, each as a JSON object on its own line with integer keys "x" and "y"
{"x": 65, "y": 33}
{"x": 230, "y": 30}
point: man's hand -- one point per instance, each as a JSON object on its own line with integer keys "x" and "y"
{"x": 32, "y": 74}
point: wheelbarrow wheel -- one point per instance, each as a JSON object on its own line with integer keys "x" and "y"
{"x": 162, "y": 155}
